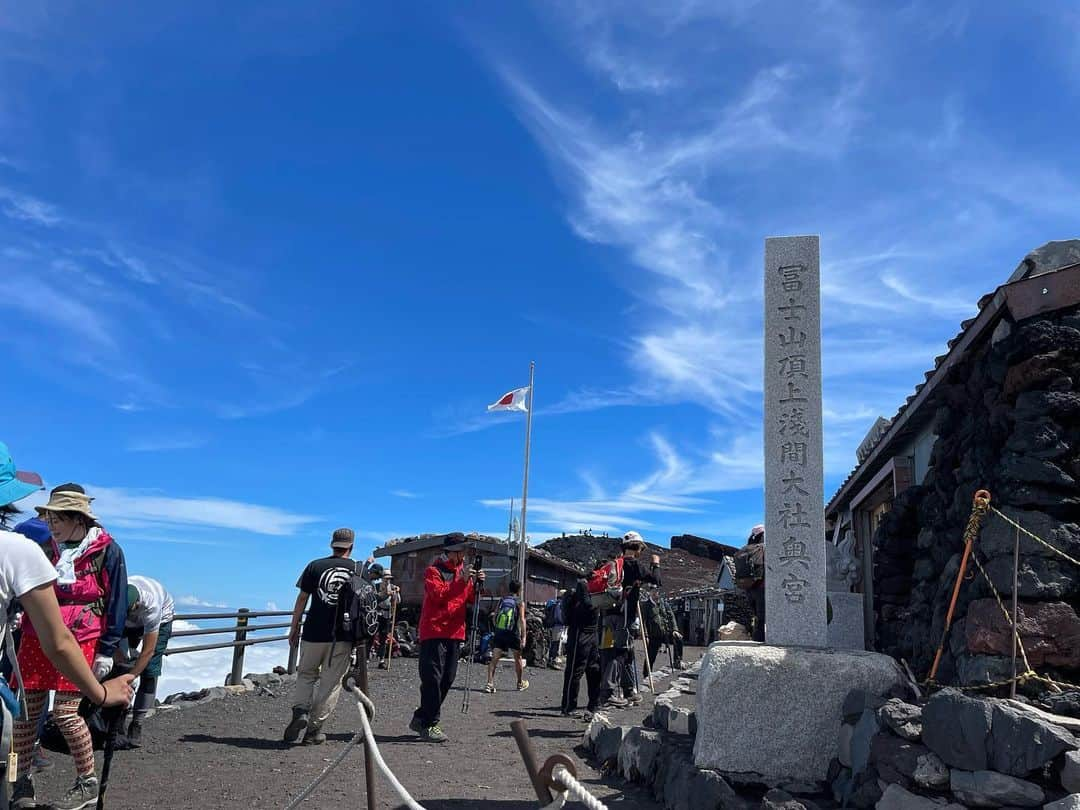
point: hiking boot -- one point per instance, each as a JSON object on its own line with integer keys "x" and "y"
{"x": 416, "y": 725}
{"x": 382, "y": 665}
{"x": 634, "y": 698}
{"x": 433, "y": 733}
{"x": 489, "y": 688}
{"x": 587, "y": 716}
{"x": 614, "y": 702}
{"x": 22, "y": 793}
{"x": 523, "y": 685}
{"x": 296, "y": 725}
{"x": 314, "y": 735}
{"x": 134, "y": 734}
{"x": 84, "y": 793}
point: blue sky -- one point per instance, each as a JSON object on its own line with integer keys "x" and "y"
{"x": 263, "y": 268}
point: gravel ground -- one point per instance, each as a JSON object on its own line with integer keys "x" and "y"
{"x": 228, "y": 753}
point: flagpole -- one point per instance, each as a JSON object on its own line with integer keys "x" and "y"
{"x": 524, "y": 553}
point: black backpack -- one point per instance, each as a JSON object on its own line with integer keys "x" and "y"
{"x": 749, "y": 565}
{"x": 358, "y": 609}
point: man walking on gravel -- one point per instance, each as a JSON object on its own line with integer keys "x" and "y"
{"x": 323, "y": 658}
{"x": 448, "y": 591}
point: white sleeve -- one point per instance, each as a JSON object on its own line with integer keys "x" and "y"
{"x": 24, "y": 566}
{"x": 153, "y": 612}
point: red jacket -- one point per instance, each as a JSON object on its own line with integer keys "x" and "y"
{"x": 446, "y": 594}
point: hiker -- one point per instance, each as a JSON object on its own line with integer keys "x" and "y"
{"x": 448, "y": 591}
{"x": 389, "y": 596}
{"x": 91, "y": 590}
{"x": 554, "y": 619}
{"x": 621, "y": 622}
{"x": 750, "y": 577}
{"x": 660, "y": 627}
{"x": 149, "y": 627}
{"x": 582, "y": 652}
{"x": 323, "y": 658}
{"x": 38, "y": 531}
{"x": 510, "y": 634}
{"x": 27, "y": 577}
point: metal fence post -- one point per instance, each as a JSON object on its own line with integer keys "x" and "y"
{"x": 238, "y": 651}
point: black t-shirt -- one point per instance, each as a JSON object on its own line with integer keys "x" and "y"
{"x": 323, "y": 579}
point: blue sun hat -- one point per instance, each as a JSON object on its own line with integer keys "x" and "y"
{"x": 15, "y": 485}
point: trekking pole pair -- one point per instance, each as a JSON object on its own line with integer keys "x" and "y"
{"x": 478, "y": 563}
{"x": 114, "y": 717}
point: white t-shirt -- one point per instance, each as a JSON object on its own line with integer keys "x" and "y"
{"x": 23, "y": 567}
{"x": 155, "y": 605}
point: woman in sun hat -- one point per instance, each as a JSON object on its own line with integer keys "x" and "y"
{"x": 27, "y": 576}
{"x": 91, "y": 587}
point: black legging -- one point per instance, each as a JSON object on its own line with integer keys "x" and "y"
{"x": 582, "y": 658}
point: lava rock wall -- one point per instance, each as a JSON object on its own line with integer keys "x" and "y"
{"x": 1008, "y": 420}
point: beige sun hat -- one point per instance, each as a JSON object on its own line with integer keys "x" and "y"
{"x": 68, "y": 498}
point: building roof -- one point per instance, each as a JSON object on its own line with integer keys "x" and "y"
{"x": 1038, "y": 285}
{"x": 482, "y": 542}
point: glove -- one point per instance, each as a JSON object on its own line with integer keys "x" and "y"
{"x": 103, "y": 665}
{"x": 677, "y": 635}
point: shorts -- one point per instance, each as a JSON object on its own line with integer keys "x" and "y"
{"x": 153, "y": 669}
{"x": 506, "y": 640}
{"x": 38, "y": 672}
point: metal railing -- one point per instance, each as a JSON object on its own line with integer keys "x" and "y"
{"x": 240, "y": 641}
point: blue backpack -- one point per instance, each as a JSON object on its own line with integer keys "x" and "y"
{"x": 506, "y": 616}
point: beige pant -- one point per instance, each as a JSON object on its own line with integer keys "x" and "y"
{"x": 318, "y": 678}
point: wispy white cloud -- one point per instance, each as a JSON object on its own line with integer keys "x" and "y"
{"x": 190, "y": 600}
{"x": 27, "y": 208}
{"x": 151, "y": 511}
{"x": 403, "y": 493}
{"x": 159, "y": 444}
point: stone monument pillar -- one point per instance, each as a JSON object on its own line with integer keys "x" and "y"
{"x": 795, "y": 564}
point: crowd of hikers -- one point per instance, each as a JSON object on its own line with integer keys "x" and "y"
{"x": 78, "y": 629}
{"x": 75, "y": 627}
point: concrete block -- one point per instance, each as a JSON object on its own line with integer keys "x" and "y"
{"x": 773, "y": 710}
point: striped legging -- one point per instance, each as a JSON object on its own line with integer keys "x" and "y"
{"x": 74, "y": 728}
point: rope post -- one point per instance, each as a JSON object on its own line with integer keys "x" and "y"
{"x": 237, "y": 674}
{"x": 1015, "y": 617}
{"x": 369, "y": 759}
{"x": 521, "y": 735}
{"x": 980, "y": 504}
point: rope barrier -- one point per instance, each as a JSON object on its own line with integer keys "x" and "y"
{"x": 572, "y": 787}
{"x": 980, "y": 507}
{"x": 1034, "y": 536}
{"x": 367, "y": 710}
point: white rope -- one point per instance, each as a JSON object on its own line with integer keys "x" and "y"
{"x": 575, "y": 789}
{"x": 364, "y": 702}
{"x": 367, "y": 709}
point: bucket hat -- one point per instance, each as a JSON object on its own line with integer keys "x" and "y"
{"x": 65, "y": 499}
{"x": 15, "y": 485}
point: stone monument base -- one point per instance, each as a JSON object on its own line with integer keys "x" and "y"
{"x": 775, "y": 712}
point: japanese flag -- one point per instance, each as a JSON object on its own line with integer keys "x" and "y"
{"x": 512, "y": 401}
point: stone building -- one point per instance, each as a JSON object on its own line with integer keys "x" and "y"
{"x": 1000, "y": 410}
{"x": 545, "y": 574}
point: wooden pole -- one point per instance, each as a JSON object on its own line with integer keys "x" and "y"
{"x": 1015, "y": 617}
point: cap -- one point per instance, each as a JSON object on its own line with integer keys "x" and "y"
{"x": 633, "y": 539}
{"x": 342, "y": 538}
{"x": 454, "y": 539}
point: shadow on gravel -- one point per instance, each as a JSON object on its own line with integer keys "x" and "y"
{"x": 258, "y": 743}
{"x": 463, "y": 804}
{"x": 549, "y": 733}
{"x": 531, "y": 713}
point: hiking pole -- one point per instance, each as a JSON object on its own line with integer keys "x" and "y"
{"x": 478, "y": 563}
{"x": 645, "y": 644}
{"x": 114, "y": 717}
{"x": 390, "y": 640}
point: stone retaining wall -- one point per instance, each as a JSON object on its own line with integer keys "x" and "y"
{"x": 1009, "y": 422}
